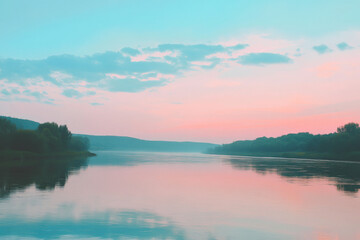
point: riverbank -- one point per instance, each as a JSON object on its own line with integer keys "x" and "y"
{"x": 10, "y": 155}
{"x": 350, "y": 156}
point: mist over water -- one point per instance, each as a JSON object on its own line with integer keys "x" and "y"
{"x": 129, "y": 195}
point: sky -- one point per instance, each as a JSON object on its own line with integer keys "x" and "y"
{"x": 213, "y": 71}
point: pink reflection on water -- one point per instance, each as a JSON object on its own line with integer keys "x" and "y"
{"x": 205, "y": 198}
{"x": 213, "y": 196}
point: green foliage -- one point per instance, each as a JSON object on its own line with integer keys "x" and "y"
{"x": 7, "y": 129}
{"x": 350, "y": 128}
{"x": 79, "y": 144}
{"x": 27, "y": 140}
{"x": 65, "y": 136}
{"x": 57, "y": 137}
{"x": 47, "y": 138}
{"x": 345, "y": 140}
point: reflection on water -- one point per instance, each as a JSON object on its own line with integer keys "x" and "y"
{"x": 116, "y": 158}
{"x": 346, "y": 175}
{"x": 181, "y": 196}
{"x": 45, "y": 175}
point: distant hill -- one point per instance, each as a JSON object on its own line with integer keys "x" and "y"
{"x": 126, "y": 143}
{"x": 134, "y": 144}
{"x": 23, "y": 123}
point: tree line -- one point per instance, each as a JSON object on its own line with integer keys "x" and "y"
{"x": 345, "y": 140}
{"x": 48, "y": 137}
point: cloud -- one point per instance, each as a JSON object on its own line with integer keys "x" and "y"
{"x": 10, "y": 91}
{"x": 188, "y": 54}
{"x": 13, "y": 92}
{"x": 96, "y": 104}
{"x": 321, "y": 49}
{"x": 263, "y": 59}
{"x": 344, "y": 46}
{"x": 90, "y": 68}
{"x": 90, "y": 93}
{"x": 238, "y": 47}
{"x": 192, "y": 52}
{"x": 128, "y": 70}
{"x": 132, "y": 85}
{"x": 39, "y": 96}
{"x": 73, "y": 93}
{"x": 69, "y": 70}
{"x": 130, "y": 51}
{"x": 136, "y": 66}
{"x": 5, "y": 92}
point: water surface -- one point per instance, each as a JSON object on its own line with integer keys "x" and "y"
{"x": 123, "y": 195}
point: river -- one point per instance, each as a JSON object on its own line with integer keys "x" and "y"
{"x": 144, "y": 195}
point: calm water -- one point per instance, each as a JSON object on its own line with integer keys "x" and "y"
{"x": 119, "y": 195}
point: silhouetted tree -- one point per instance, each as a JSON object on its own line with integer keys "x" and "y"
{"x": 65, "y": 136}
{"x": 57, "y": 137}
{"x": 350, "y": 128}
{"x": 7, "y": 130}
{"x": 79, "y": 144}
{"x": 27, "y": 140}
{"x": 345, "y": 140}
{"x": 49, "y": 137}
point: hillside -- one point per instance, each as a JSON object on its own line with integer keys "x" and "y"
{"x": 134, "y": 144}
{"x": 122, "y": 143}
{"x": 23, "y": 123}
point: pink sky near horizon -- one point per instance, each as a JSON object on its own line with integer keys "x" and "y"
{"x": 316, "y": 93}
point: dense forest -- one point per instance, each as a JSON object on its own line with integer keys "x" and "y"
{"x": 47, "y": 138}
{"x": 344, "y": 144}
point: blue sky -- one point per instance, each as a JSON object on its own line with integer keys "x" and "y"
{"x": 39, "y": 28}
{"x": 182, "y": 70}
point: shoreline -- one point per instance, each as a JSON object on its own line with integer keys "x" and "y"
{"x": 12, "y": 155}
{"x": 351, "y": 156}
